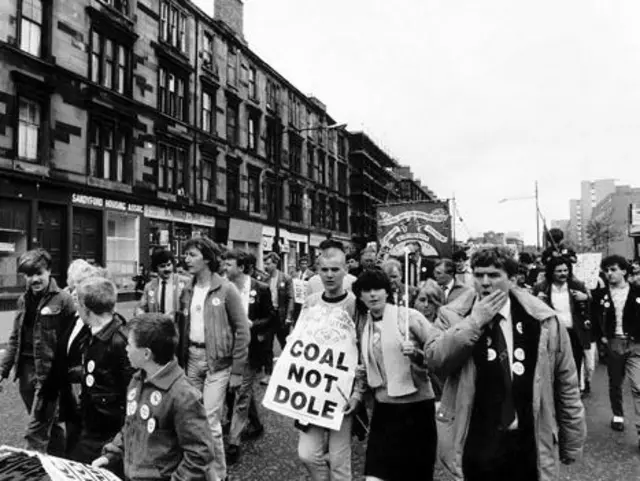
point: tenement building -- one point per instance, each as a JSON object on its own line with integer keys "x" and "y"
{"x": 131, "y": 124}
{"x": 377, "y": 178}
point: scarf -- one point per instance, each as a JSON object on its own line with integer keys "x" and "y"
{"x": 397, "y": 367}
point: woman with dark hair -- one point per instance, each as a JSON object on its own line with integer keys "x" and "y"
{"x": 402, "y": 441}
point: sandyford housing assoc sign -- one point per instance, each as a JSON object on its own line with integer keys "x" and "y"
{"x": 314, "y": 374}
{"x": 428, "y": 223}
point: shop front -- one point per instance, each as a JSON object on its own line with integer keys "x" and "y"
{"x": 172, "y": 228}
{"x": 314, "y": 243}
{"x": 119, "y": 224}
{"x": 246, "y": 236}
{"x": 293, "y": 245}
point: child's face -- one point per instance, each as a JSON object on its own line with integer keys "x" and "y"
{"x": 137, "y": 355}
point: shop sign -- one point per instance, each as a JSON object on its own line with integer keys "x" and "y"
{"x": 91, "y": 201}
{"x": 7, "y": 246}
{"x": 167, "y": 214}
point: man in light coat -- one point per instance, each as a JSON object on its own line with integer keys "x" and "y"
{"x": 511, "y": 404}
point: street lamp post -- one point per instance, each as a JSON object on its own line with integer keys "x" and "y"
{"x": 277, "y": 158}
{"x": 537, "y": 199}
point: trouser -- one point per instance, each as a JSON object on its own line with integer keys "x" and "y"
{"x": 244, "y": 411}
{"x": 517, "y": 463}
{"x": 214, "y": 387}
{"x": 44, "y": 433}
{"x": 588, "y": 365}
{"x": 577, "y": 350}
{"x": 624, "y": 359}
{"x": 281, "y": 332}
{"x": 322, "y": 465}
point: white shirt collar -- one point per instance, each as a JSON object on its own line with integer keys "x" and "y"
{"x": 449, "y": 286}
{"x": 563, "y": 288}
{"x": 505, "y": 312}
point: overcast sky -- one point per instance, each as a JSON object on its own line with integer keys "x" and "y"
{"x": 479, "y": 98}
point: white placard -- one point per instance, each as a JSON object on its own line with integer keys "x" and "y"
{"x": 587, "y": 268}
{"x": 299, "y": 291}
{"x": 316, "y": 370}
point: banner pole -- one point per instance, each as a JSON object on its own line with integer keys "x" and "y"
{"x": 406, "y": 292}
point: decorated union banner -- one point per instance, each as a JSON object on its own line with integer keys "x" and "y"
{"x": 315, "y": 372}
{"x": 428, "y": 223}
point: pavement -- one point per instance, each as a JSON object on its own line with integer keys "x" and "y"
{"x": 608, "y": 455}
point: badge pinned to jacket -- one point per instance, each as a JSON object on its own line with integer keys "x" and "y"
{"x": 215, "y": 301}
{"x": 46, "y": 310}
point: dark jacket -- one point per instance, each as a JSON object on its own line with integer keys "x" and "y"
{"x": 226, "y": 329}
{"x": 262, "y": 316}
{"x": 285, "y": 296}
{"x": 171, "y": 439}
{"x": 605, "y": 314}
{"x": 106, "y": 375}
{"x": 67, "y": 379}
{"x": 54, "y": 314}
{"x": 580, "y": 310}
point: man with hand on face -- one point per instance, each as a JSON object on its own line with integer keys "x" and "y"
{"x": 336, "y": 301}
{"x": 162, "y": 294}
{"x": 44, "y": 313}
{"x": 511, "y": 398}
{"x": 256, "y": 299}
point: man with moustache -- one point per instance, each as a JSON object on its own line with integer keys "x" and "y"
{"x": 256, "y": 299}
{"x": 511, "y": 401}
{"x": 44, "y": 313}
{"x": 162, "y": 293}
{"x": 570, "y": 299}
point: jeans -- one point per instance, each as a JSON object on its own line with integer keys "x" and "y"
{"x": 624, "y": 359}
{"x": 245, "y": 411}
{"x": 319, "y": 462}
{"x": 44, "y": 433}
{"x": 213, "y": 386}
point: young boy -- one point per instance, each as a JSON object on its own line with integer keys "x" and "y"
{"x": 165, "y": 434}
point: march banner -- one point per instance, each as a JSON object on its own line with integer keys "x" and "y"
{"x": 428, "y": 223}
{"x": 314, "y": 374}
{"x": 19, "y": 464}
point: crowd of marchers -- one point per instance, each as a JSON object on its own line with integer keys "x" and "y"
{"x": 476, "y": 362}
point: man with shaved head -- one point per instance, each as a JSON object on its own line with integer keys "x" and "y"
{"x": 336, "y": 301}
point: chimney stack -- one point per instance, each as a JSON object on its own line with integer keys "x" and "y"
{"x": 231, "y": 12}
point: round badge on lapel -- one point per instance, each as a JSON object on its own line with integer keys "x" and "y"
{"x": 151, "y": 426}
{"x": 282, "y": 284}
{"x": 637, "y": 300}
{"x": 519, "y": 354}
{"x": 215, "y": 301}
{"x": 144, "y": 412}
{"x": 131, "y": 408}
{"x": 132, "y": 395}
{"x": 91, "y": 365}
{"x": 90, "y": 380}
{"x": 253, "y": 293}
{"x": 518, "y": 368}
{"x": 519, "y": 327}
{"x": 155, "y": 398}
{"x": 491, "y": 354}
{"x": 607, "y": 304}
{"x": 489, "y": 341}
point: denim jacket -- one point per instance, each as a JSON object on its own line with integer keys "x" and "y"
{"x": 166, "y": 435}
{"x": 226, "y": 327}
{"x": 54, "y": 315}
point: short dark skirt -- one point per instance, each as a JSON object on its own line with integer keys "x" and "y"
{"x": 402, "y": 442}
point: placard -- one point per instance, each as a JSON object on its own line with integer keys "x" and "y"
{"x": 587, "y": 268}
{"x": 315, "y": 372}
{"x": 16, "y": 463}
{"x": 299, "y": 291}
